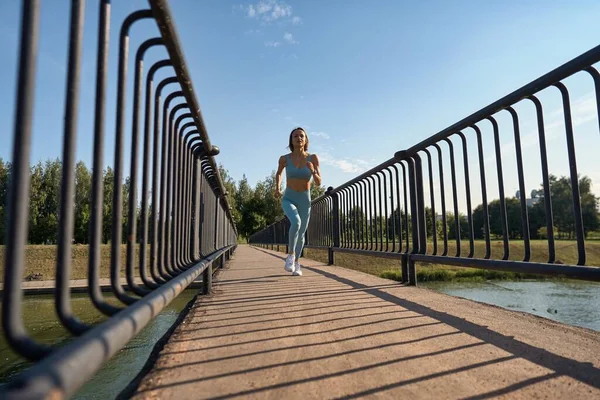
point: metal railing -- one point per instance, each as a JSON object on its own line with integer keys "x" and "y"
{"x": 400, "y": 208}
{"x": 186, "y": 221}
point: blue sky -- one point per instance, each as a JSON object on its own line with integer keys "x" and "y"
{"x": 366, "y": 78}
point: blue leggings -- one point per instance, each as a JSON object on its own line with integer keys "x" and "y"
{"x": 296, "y": 206}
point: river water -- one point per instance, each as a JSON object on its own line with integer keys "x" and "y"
{"x": 121, "y": 369}
{"x": 570, "y": 302}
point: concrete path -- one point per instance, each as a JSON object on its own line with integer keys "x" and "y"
{"x": 338, "y": 333}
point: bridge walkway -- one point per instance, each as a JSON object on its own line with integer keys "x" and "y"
{"x": 339, "y": 333}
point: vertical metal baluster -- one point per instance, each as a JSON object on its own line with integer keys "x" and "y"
{"x": 132, "y": 220}
{"x": 177, "y": 194}
{"x": 187, "y": 209}
{"x": 545, "y": 179}
{"x": 501, "y": 188}
{"x": 486, "y": 217}
{"x": 18, "y": 194}
{"x": 379, "y": 217}
{"x": 394, "y": 207}
{"x": 596, "y": 76}
{"x": 156, "y": 245}
{"x": 184, "y": 202}
{"x": 171, "y": 189}
{"x": 97, "y": 175}
{"x": 66, "y": 213}
{"x": 432, "y": 200}
{"x": 342, "y": 221}
{"x": 357, "y": 223}
{"x": 370, "y": 200}
{"x": 524, "y": 216}
{"x": 468, "y": 195}
{"x": 442, "y": 198}
{"x": 186, "y": 199}
{"x": 385, "y": 220}
{"x": 347, "y": 193}
{"x": 319, "y": 225}
{"x": 195, "y": 203}
{"x": 145, "y": 178}
{"x": 373, "y": 200}
{"x": 117, "y": 204}
{"x": 363, "y": 218}
{"x": 420, "y": 204}
{"x": 181, "y": 201}
{"x": 406, "y": 227}
{"x": 454, "y": 197}
{"x": 414, "y": 213}
{"x": 577, "y": 216}
{"x": 162, "y": 265}
{"x": 169, "y": 265}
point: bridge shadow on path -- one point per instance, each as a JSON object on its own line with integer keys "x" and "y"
{"x": 274, "y": 352}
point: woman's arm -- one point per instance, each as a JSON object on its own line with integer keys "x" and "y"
{"x": 280, "y": 167}
{"x": 315, "y": 169}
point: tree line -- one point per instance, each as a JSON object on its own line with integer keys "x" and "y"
{"x": 255, "y": 207}
{"x": 44, "y": 201}
{"x": 357, "y": 225}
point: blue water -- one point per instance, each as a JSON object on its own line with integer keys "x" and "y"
{"x": 570, "y": 302}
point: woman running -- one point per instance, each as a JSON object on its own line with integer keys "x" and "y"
{"x": 300, "y": 168}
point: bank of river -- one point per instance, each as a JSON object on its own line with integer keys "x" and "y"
{"x": 570, "y": 302}
{"x": 116, "y": 374}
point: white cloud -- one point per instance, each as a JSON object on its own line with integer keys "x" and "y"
{"x": 272, "y": 44}
{"x": 268, "y": 11}
{"x": 296, "y": 20}
{"x": 320, "y": 134}
{"x": 289, "y": 38}
{"x": 354, "y": 165}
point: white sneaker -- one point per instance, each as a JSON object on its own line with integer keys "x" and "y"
{"x": 289, "y": 263}
{"x": 297, "y": 270}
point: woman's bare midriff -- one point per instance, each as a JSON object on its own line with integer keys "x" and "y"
{"x": 298, "y": 185}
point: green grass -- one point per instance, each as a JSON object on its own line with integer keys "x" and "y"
{"x": 566, "y": 253}
{"x": 41, "y": 259}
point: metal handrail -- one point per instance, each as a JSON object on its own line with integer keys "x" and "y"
{"x": 193, "y": 231}
{"x": 355, "y": 216}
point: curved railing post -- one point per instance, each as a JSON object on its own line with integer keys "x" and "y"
{"x": 335, "y": 224}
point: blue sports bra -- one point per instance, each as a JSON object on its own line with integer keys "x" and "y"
{"x": 291, "y": 171}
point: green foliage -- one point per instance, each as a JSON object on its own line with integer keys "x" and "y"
{"x": 562, "y": 212}
{"x": 255, "y": 208}
{"x": 83, "y": 190}
{"x": 4, "y": 179}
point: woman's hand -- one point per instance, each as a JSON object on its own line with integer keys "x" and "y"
{"x": 277, "y": 194}
{"x": 311, "y": 167}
